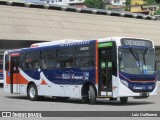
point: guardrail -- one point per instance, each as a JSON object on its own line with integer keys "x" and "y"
{"x": 79, "y": 10}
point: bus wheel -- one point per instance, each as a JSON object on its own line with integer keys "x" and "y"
{"x": 32, "y": 92}
{"x": 92, "y": 95}
{"x": 123, "y": 100}
{"x": 85, "y": 99}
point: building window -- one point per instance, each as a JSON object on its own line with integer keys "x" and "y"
{"x": 116, "y": 1}
{"x": 151, "y": 8}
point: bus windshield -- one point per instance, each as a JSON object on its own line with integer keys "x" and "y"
{"x": 137, "y": 61}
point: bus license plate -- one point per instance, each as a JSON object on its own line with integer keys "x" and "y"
{"x": 144, "y": 94}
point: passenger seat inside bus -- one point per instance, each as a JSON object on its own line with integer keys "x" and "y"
{"x": 42, "y": 64}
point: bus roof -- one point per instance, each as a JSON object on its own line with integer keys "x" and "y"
{"x": 71, "y": 42}
{"x": 57, "y": 42}
{"x": 54, "y": 44}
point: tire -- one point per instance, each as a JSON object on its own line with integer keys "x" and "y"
{"x": 85, "y": 100}
{"x": 32, "y": 93}
{"x": 123, "y": 100}
{"x": 92, "y": 95}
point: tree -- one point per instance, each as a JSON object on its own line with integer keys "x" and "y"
{"x": 128, "y": 5}
{"x": 157, "y": 12}
{"x": 158, "y": 1}
{"x": 99, "y": 4}
{"x": 150, "y": 2}
{"x": 154, "y": 2}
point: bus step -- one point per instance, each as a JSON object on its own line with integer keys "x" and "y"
{"x": 104, "y": 93}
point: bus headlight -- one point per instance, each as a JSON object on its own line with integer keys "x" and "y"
{"x": 124, "y": 83}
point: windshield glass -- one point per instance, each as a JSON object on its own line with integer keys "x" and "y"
{"x": 137, "y": 61}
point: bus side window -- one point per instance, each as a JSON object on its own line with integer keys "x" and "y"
{"x": 42, "y": 64}
{"x": 7, "y": 62}
{"x": 85, "y": 57}
{"x": 31, "y": 61}
{"x": 47, "y": 59}
{"x": 65, "y": 58}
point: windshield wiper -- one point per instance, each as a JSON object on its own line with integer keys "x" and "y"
{"x": 134, "y": 55}
{"x": 144, "y": 59}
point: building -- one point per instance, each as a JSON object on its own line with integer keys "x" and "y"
{"x": 64, "y": 2}
{"x": 151, "y": 8}
{"x": 117, "y": 5}
{"x": 138, "y": 6}
{"x": 139, "y": 9}
{"x": 116, "y": 2}
{"x": 137, "y": 2}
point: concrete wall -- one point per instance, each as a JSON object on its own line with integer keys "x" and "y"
{"x": 24, "y": 23}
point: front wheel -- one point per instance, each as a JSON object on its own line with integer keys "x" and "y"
{"x": 32, "y": 92}
{"x": 92, "y": 95}
{"x": 123, "y": 100}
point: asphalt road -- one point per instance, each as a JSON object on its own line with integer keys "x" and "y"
{"x": 12, "y": 102}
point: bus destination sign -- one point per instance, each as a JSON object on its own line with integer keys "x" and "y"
{"x": 136, "y": 42}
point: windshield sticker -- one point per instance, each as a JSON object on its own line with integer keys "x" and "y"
{"x": 144, "y": 67}
{"x": 139, "y": 63}
{"x": 103, "y": 65}
{"x": 109, "y": 64}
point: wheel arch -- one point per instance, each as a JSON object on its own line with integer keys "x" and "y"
{"x": 85, "y": 89}
{"x": 34, "y": 96}
{"x": 31, "y": 82}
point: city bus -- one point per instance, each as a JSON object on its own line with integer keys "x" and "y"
{"x": 114, "y": 68}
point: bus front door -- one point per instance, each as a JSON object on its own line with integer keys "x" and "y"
{"x": 105, "y": 71}
{"x": 14, "y": 74}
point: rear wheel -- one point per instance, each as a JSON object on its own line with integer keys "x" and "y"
{"x": 92, "y": 95}
{"x": 85, "y": 99}
{"x": 123, "y": 100}
{"x": 32, "y": 92}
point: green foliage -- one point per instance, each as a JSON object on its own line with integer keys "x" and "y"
{"x": 128, "y": 4}
{"x": 157, "y": 12}
{"x": 99, "y": 4}
{"x": 154, "y": 2}
{"x": 150, "y": 2}
{"x": 109, "y": 8}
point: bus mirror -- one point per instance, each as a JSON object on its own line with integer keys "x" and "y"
{"x": 120, "y": 56}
